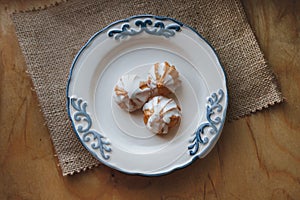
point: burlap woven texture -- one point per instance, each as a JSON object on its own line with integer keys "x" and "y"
{"x": 50, "y": 38}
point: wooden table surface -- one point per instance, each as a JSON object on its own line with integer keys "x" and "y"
{"x": 257, "y": 157}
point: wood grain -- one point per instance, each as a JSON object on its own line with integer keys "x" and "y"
{"x": 257, "y": 157}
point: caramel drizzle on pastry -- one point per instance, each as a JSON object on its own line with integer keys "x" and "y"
{"x": 120, "y": 91}
{"x": 143, "y": 85}
{"x": 174, "y": 119}
{"x": 168, "y": 69}
{"x": 147, "y": 114}
{"x": 161, "y": 113}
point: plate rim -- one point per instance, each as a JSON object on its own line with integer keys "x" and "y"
{"x": 162, "y": 18}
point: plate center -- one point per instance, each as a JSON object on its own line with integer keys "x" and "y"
{"x": 127, "y": 130}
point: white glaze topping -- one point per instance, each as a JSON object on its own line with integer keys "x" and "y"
{"x": 131, "y": 92}
{"x": 161, "y": 110}
{"x": 163, "y": 75}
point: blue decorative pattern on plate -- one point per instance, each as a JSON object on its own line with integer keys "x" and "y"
{"x": 157, "y": 28}
{"x": 214, "y": 105}
{"x": 80, "y": 115}
{"x": 121, "y": 140}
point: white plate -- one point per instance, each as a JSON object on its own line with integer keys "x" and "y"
{"x": 120, "y": 139}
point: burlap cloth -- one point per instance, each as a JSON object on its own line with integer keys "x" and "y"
{"x": 50, "y": 38}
